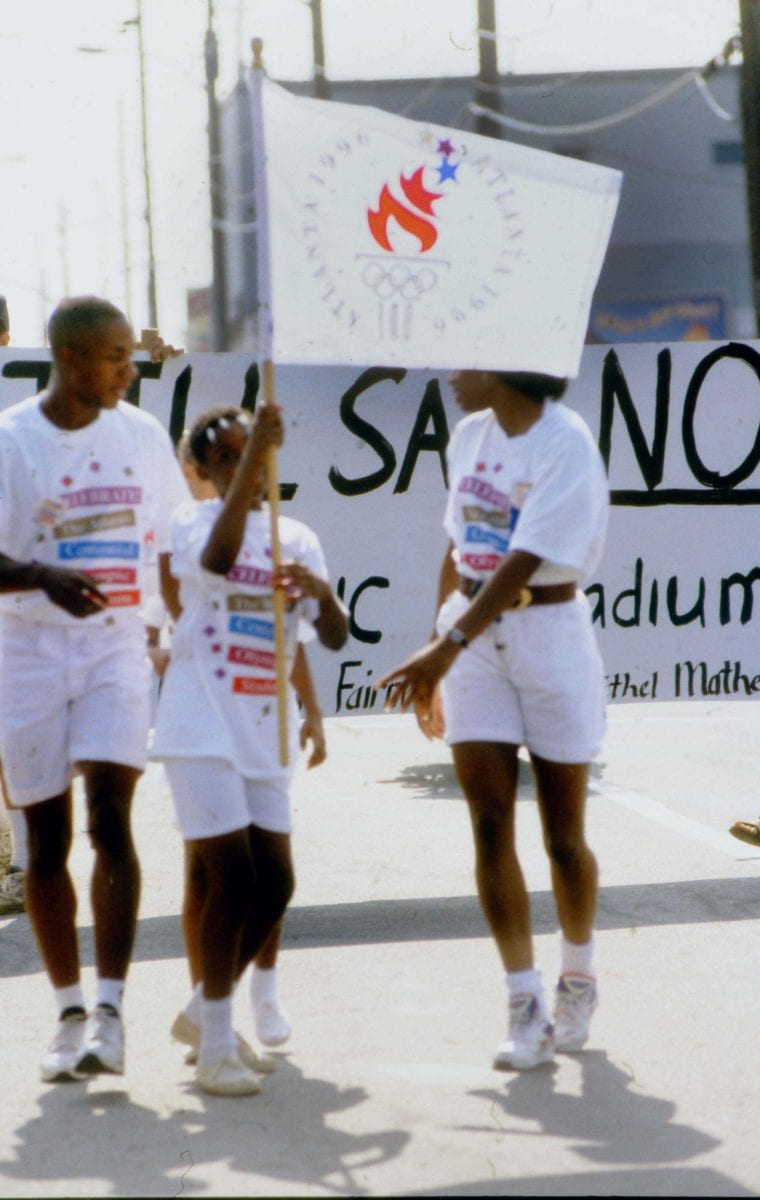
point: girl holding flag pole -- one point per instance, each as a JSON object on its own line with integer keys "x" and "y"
{"x": 217, "y": 720}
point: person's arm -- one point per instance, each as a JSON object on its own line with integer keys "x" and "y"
{"x": 312, "y": 728}
{"x": 169, "y": 586}
{"x": 416, "y": 679}
{"x": 431, "y": 720}
{"x": 72, "y": 591}
{"x": 447, "y": 579}
{"x": 159, "y": 350}
{"x": 228, "y": 531}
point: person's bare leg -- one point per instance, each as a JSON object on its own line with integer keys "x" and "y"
{"x": 561, "y": 792}
{"x": 193, "y": 900}
{"x": 266, "y": 956}
{"x": 115, "y": 884}
{"x": 50, "y": 897}
{"x": 487, "y": 773}
{"x": 270, "y": 1020}
{"x": 229, "y": 873}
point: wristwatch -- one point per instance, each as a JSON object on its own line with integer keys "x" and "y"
{"x": 458, "y": 638}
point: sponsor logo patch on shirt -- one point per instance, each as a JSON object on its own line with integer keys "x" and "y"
{"x": 99, "y": 550}
{"x": 108, "y": 520}
{"x": 241, "y": 603}
{"x": 250, "y": 657}
{"x": 246, "y": 686}
{"x": 252, "y": 627}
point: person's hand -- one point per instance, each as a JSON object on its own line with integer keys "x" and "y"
{"x": 430, "y": 717}
{"x": 159, "y": 659}
{"x": 296, "y": 581}
{"x": 72, "y": 591}
{"x": 312, "y": 731}
{"x": 267, "y": 427}
{"x": 158, "y": 349}
{"x": 414, "y": 682}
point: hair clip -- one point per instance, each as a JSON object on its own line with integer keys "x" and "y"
{"x": 211, "y": 434}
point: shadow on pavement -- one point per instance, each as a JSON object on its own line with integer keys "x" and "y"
{"x": 283, "y": 1135}
{"x": 367, "y": 922}
{"x": 612, "y": 1121}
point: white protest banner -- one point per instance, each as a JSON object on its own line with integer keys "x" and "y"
{"x": 387, "y": 240}
{"x": 676, "y": 600}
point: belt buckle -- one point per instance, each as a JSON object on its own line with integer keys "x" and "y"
{"x": 523, "y": 600}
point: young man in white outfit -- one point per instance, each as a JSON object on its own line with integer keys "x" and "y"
{"x": 518, "y": 664}
{"x": 87, "y": 483}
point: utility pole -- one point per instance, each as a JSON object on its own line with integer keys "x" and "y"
{"x": 125, "y": 252}
{"x": 216, "y": 184}
{"x": 322, "y": 89}
{"x": 749, "y": 11}
{"x": 486, "y": 93}
{"x": 152, "y": 303}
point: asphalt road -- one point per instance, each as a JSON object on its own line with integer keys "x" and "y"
{"x": 397, "y": 1000}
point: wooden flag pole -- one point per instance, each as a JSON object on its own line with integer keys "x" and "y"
{"x": 265, "y": 347}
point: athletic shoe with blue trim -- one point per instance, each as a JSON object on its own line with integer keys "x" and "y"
{"x": 530, "y": 1040}
{"x": 576, "y": 999}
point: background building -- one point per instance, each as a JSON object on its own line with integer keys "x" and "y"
{"x": 678, "y": 264}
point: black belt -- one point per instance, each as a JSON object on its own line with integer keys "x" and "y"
{"x": 539, "y": 593}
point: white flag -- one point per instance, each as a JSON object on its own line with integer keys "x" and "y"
{"x": 394, "y": 242}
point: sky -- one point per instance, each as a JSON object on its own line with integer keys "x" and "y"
{"x": 72, "y": 195}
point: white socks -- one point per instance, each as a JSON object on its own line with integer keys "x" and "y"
{"x": 263, "y": 984}
{"x": 69, "y": 997}
{"x": 576, "y": 959}
{"x": 217, "y": 1035}
{"x": 110, "y": 992}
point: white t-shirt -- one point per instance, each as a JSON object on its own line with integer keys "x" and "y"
{"x": 96, "y": 499}
{"x": 544, "y": 491}
{"x": 219, "y": 694}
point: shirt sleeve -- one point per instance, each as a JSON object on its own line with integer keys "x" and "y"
{"x": 565, "y": 510}
{"x": 189, "y": 529}
{"x": 172, "y": 490}
{"x": 453, "y": 454}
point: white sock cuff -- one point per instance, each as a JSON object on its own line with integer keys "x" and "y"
{"x": 69, "y": 997}
{"x": 576, "y": 959}
{"x": 263, "y": 982}
{"x": 528, "y": 980}
{"x": 110, "y": 991}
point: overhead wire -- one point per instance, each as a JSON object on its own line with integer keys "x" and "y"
{"x": 695, "y": 75}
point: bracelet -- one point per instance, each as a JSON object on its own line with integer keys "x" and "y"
{"x": 458, "y": 638}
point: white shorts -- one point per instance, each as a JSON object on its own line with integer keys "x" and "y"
{"x": 211, "y": 798}
{"x": 69, "y": 695}
{"x": 534, "y": 678}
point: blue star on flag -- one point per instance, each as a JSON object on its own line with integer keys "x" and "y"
{"x": 447, "y": 170}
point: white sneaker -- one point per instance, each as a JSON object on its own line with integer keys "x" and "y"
{"x": 227, "y": 1076}
{"x": 60, "y": 1063}
{"x": 576, "y": 998}
{"x": 271, "y": 1025}
{"x": 186, "y": 1031}
{"x": 103, "y": 1046}
{"x": 12, "y": 892}
{"x": 530, "y": 1040}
